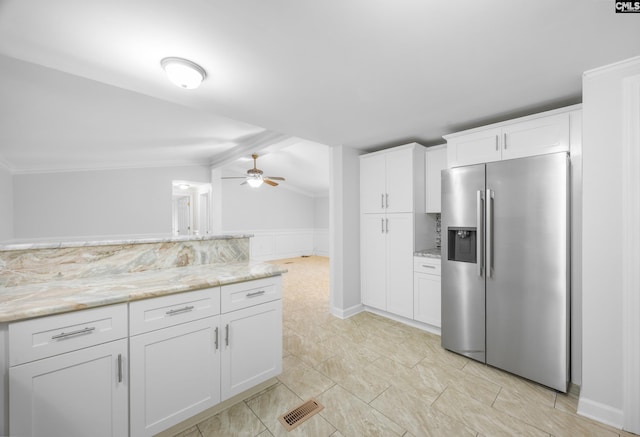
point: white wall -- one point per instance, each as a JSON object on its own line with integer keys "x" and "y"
{"x": 345, "y": 231}
{"x": 603, "y": 384}
{"x": 6, "y": 204}
{"x": 264, "y": 208}
{"x": 104, "y": 203}
{"x": 282, "y": 221}
{"x": 321, "y": 212}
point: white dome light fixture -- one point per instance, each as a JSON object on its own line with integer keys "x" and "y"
{"x": 183, "y": 73}
{"x": 255, "y": 180}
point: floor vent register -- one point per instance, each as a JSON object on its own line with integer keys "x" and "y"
{"x": 299, "y": 414}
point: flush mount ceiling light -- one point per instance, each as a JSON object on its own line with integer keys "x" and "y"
{"x": 183, "y": 73}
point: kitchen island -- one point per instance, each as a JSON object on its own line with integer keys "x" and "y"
{"x": 149, "y": 329}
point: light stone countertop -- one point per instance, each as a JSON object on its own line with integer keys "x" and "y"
{"x": 429, "y": 253}
{"x": 54, "y": 297}
{"x": 83, "y": 243}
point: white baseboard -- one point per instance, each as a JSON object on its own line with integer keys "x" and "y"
{"x": 600, "y": 412}
{"x": 346, "y": 313}
{"x": 422, "y": 326}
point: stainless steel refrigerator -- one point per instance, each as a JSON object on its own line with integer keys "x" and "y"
{"x": 505, "y": 265}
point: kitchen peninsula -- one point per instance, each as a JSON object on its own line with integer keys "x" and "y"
{"x": 149, "y": 329}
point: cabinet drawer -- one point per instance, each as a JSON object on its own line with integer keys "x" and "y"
{"x": 35, "y": 339}
{"x": 161, "y": 312}
{"x": 246, "y": 294}
{"x": 430, "y": 266}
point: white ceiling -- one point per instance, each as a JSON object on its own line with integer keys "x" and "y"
{"x": 81, "y": 84}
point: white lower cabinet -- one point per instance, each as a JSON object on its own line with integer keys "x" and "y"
{"x": 252, "y": 347}
{"x": 80, "y": 387}
{"x": 137, "y": 369}
{"x": 426, "y": 292}
{"x": 175, "y": 374}
{"x": 190, "y": 351}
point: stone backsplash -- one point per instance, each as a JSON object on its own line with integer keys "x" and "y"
{"x": 45, "y": 264}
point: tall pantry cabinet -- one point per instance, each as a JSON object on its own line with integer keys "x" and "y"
{"x": 392, "y": 220}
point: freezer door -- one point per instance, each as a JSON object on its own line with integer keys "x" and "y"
{"x": 463, "y": 281}
{"x": 528, "y": 257}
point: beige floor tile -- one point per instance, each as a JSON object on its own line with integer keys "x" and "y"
{"x": 438, "y": 355}
{"x": 527, "y": 389}
{"x": 556, "y": 422}
{"x": 414, "y": 414}
{"x": 350, "y": 350}
{"x": 191, "y": 432}
{"x": 311, "y": 352}
{"x": 566, "y": 402}
{"x": 238, "y": 420}
{"x": 303, "y": 380}
{"x": 276, "y": 401}
{"x": 483, "y": 418}
{"x": 405, "y": 378}
{"x": 441, "y": 376}
{"x": 265, "y": 433}
{"x": 352, "y": 376}
{"x": 352, "y": 417}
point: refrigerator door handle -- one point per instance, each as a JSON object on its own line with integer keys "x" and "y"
{"x": 479, "y": 224}
{"x": 489, "y": 232}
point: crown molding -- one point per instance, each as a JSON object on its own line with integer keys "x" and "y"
{"x": 154, "y": 164}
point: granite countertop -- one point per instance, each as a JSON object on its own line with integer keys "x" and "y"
{"x": 35, "y": 300}
{"x": 429, "y": 253}
{"x": 84, "y": 243}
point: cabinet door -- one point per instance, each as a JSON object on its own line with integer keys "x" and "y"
{"x": 536, "y": 137}
{"x": 74, "y": 394}
{"x": 435, "y": 162}
{"x": 399, "y": 170}
{"x": 474, "y": 148}
{"x": 251, "y": 347}
{"x": 399, "y": 262}
{"x": 175, "y": 373}
{"x": 427, "y": 298}
{"x": 373, "y": 270}
{"x": 372, "y": 184}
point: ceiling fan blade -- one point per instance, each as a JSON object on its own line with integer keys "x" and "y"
{"x": 273, "y": 184}
{"x": 243, "y": 182}
{"x": 233, "y": 177}
{"x": 275, "y": 178}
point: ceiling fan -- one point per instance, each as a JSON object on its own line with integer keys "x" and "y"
{"x": 254, "y": 176}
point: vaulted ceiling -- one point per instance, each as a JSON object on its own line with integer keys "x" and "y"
{"x": 81, "y": 84}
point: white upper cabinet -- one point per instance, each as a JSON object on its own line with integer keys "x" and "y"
{"x": 387, "y": 180}
{"x": 474, "y": 148}
{"x": 536, "y": 137}
{"x": 435, "y": 161}
{"x": 537, "y": 134}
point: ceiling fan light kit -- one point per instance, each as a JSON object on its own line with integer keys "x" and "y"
{"x": 183, "y": 73}
{"x": 254, "y": 176}
{"x": 255, "y": 181}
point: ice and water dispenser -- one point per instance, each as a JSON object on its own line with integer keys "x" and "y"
{"x": 461, "y": 244}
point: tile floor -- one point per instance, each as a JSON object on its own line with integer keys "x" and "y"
{"x": 378, "y": 377}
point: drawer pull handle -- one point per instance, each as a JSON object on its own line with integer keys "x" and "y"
{"x": 256, "y": 293}
{"x": 119, "y": 367}
{"x": 180, "y": 310}
{"x": 69, "y": 334}
{"x": 216, "y": 338}
{"x": 428, "y": 266}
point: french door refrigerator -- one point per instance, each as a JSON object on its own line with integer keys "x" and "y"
{"x": 505, "y": 265}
